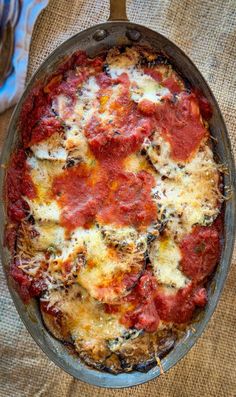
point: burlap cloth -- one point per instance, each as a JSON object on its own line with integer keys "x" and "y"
{"x": 206, "y": 31}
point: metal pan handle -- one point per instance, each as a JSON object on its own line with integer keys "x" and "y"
{"x": 118, "y": 10}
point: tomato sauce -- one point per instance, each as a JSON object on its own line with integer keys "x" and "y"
{"x": 117, "y": 140}
{"x": 10, "y": 235}
{"x": 37, "y": 119}
{"x": 27, "y": 287}
{"x": 172, "y": 84}
{"x": 144, "y": 314}
{"x": 155, "y": 74}
{"x": 169, "y": 82}
{"x": 69, "y": 85}
{"x": 179, "y": 307}
{"x": 18, "y": 184}
{"x": 147, "y": 107}
{"x": 204, "y": 106}
{"x": 127, "y": 127}
{"x": 181, "y": 125}
{"x": 200, "y": 252}
{"x": 103, "y": 80}
{"x": 106, "y": 194}
{"x": 129, "y": 200}
{"x": 180, "y": 120}
{"x": 79, "y": 191}
{"x": 152, "y": 303}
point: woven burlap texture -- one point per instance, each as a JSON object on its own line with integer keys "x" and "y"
{"x": 206, "y": 31}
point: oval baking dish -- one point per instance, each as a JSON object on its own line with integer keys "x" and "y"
{"x": 119, "y": 32}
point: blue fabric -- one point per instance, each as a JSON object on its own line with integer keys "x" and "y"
{"x": 13, "y": 87}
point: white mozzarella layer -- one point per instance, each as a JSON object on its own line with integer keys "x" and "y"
{"x": 189, "y": 195}
{"x": 165, "y": 257}
{"x": 45, "y": 212}
{"x": 144, "y": 87}
{"x": 85, "y": 317}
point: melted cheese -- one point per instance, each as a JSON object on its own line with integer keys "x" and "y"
{"x": 86, "y": 104}
{"x": 76, "y": 117}
{"x": 42, "y": 172}
{"x": 142, "y": 86}
{"x": 135, "y": 163}
{"x": 126, "y": 238}
{"x": 165, "y": 257}
{"x": 191, "y": 195}
{"x": 119, "y": 62}
{"x": 108, "y": 103}
{"x": 105, "y": 265}
{"x": 159, "y": 153}
{"x": 76, "y": 142}
{"x": 145, "y": 87}
{"x": 60, "y": 105}
{"x": 50, "y": 149}
{"x": 83, "y": 108}
{"x": 49, "y": 236}
{"x": 45, "y": 212}
{"x": 85, "y": 317}
{"x": 96, "y": 257}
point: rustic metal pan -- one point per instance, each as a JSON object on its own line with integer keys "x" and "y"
{"x": 118, "y": 31}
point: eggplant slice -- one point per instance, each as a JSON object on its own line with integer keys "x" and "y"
{"x": 114, "y": 348}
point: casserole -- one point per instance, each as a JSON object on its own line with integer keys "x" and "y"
{"x": 165, "y": 46}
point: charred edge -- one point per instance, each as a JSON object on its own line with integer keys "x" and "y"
{"x": 150, "y": 238}
{"x": 31, "y": 219}
{"x": 106, "y": 69}
{"x": 139, "y": 275}
{"x": 58, "y": 320}
{"x": 15, "y": 245}
{"x": 145, "y": 366}
{"x": 161, "y": 59}
{"x": 187, "y": 84}
{"x": 54, "y": 112}
{"x": 72, "y": 161}
{"x": 100, "y": 366}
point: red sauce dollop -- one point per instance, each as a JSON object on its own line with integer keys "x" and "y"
{"x": 152, "y": 304}
{"x": 125, "y": 131}
{"x": 155, "y": 74}
{"x": 205, "y": 107}
{"x": 79, "y": 195}
{"x": 179, "y": 307}
{"x": 172, "y": 84}
{"x": 106, "y": 194}
{"x": 181, "y": 125}
{"x": 129, "y": 200}
{"x": 27, "y": 287}
{"x": 119, "y": 139}
{"x": 200, "y": 252}
{"x": 147, "y": 107}
{"x": 144, "y": 315}
{"x": 18, "y": 184}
